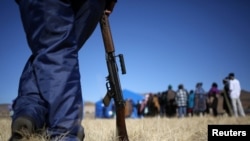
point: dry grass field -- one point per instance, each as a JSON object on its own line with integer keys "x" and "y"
{"x": 146, "y": 129}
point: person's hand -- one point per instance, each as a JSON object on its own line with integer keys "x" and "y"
{"x": 110, "y": 6}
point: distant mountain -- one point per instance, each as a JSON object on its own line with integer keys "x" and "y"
{"x": 245, "y": 99}
{"x": 88, "y": 103}
{"x": 4, "y": 110}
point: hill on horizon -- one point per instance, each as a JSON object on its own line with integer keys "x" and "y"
{"x": 245, "y": 99}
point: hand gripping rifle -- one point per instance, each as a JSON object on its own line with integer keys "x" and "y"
{"x": 113, "y": 83}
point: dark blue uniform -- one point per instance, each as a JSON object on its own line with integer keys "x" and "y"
{"x": 49, "y": 89}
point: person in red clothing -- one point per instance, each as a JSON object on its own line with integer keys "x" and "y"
{"x": 213, "y": 96}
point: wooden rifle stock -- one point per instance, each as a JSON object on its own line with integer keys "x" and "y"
{"x": 113, "y": 83}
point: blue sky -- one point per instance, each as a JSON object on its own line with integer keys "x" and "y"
{"x": 164, "y": 42}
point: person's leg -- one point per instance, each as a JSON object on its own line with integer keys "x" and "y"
{"x": 49, "y": 26}
{"x": 52, "y": 78}
{"x": 179, "y": 111}
{"x": 192, "y": 112}
{"x": 234, "y": 107}
{"x": 29, "y": 107}
{"x": 240, "y": 107}
{"x": 184, "y": 111}
{"x": 86, "y": 19}
{"x": 168, "y": 109}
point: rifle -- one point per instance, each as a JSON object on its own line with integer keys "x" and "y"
{"x": 113, "y": 83}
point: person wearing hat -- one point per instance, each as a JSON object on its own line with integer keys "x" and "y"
{"x": 234, "y": 91}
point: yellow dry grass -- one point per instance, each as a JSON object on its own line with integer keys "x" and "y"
{"x": 146, "y": 129}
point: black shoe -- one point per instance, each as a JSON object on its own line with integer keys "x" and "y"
{"x": 81, "y": 134}
{"x": 22, "y": 127}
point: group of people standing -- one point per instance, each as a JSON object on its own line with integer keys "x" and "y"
{"x": 200, "y": 102}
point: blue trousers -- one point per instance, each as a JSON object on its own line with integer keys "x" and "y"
{"x": 182, "y": 111}
{"x": 49, "y": 87}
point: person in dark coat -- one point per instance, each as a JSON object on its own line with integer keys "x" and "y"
{"x": 227, "y": 104}
{"x": 49, "y": 92}
{"x": 171, "y": 103}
